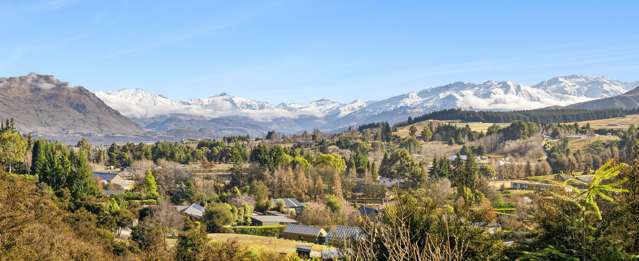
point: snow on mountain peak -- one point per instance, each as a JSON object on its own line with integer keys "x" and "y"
{"x": 138, "y": 103}
{"x": 585, "y": 86}
{"x": 488, "y": 95}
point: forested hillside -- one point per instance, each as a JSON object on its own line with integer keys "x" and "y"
{"x": 440, "y": 191}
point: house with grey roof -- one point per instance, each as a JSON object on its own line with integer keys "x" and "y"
{"x": 340, "y": 234}
{"x": 269, "y": 220}
{"x": 304, "y": 233}
{"x": 194, "y": 210}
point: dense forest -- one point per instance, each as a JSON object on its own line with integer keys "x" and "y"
{"x": 538, "y": 116}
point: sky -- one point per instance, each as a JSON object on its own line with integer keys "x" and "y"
{"x": 298, "y": 51}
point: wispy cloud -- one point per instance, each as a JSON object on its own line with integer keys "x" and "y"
{"x": 177, "y": 37}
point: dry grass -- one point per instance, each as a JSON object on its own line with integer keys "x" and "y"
{"x": 475, "y": 126}
{"x": 579, "y": 144}
{"x": 259, "y": 243}
{"x": 433, "y": 149}
{"x": 479, "y": 126}
{"x": 614, "y": 123}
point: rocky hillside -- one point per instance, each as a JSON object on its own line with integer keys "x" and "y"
{"x": 44, "y": 105}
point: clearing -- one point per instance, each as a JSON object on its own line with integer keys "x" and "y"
{"x": 613, "y": 123}
{"x": 260, "y": 243}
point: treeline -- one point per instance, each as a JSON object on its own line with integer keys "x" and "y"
{"x": 538, "y": 116}
{"x": 226, "y": 151}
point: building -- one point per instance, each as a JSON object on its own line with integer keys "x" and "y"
{"x": 340, "y": 234}
{"x": 290, "y": 204}
{"x": 269, "y": 220}
{"x": 120, "y": 183}
{"x": 527, "y": 185}
{"x": 304, "y": 233}
{"x": 194, "y": 210}
{"x": 113, "y": 182}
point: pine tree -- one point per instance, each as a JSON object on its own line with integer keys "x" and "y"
{"x": 150, "y": 185}
{"x": 37, "y": 157}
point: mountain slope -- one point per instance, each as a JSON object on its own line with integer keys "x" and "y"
{"x": 42, "y": 104}
{"x": 626, "y": 101}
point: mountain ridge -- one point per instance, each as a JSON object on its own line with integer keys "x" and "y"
{"x": 44, "y": 105}
{"x": 626, "y": 101}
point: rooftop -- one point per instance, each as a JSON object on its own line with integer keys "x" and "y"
{"x": 271, "y": 219}
{"x": 303, "y": 230}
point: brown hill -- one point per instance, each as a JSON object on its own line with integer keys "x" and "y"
{"x": 42, "y": 104}
{"x": 626, "y": 101}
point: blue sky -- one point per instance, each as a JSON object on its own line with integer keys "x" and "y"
{"x": 305, "y": 50}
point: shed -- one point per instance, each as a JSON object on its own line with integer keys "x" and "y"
{"x": 305, "y": 233}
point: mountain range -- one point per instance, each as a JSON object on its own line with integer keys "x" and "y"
{"x": 229, "y": 114}
{"x": 43, "y": 104}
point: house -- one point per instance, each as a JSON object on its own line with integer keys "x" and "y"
{"x": 527, "y": 185}
{"x": 114, "y": 182}
{"x": 194, "y": 210}
{"x": 305, "y": 233}
{"x": 290, "y": 204}
{"x": 340, "y": 234}
{"x": 120, "y": 183}
{"x": 269, "y": 220}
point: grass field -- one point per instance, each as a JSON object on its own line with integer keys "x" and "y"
{"x": 614, "y": 123}
{"x": 259, "y": 243}
{"x": 579, "y": 144}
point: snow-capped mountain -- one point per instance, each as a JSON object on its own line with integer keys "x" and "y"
{"x": 160, "y": 113}
{"x": 140, "y": 104}
{"x": 583, "y": 86}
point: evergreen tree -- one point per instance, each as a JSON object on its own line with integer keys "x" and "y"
{"x": 150, "y": 185}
